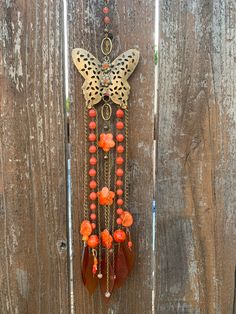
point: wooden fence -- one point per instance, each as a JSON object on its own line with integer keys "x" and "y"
{"x": 195, "y": 133}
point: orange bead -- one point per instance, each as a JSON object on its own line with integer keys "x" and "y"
{"x": 119, "y": 211}
{"x": 120, "y": 113}
{"x": 93, "y": 225}
{"x": 119, "y": 125}
{"x": 105, "y": 10}
{"x": 85, "y": 229}
{"x": 120, "y": 137}
{"x": 119, "y": 182}
{"x": 127, "y": 219}
{"x": 119, "y": 202}
{"x": 119, "y": 221}
{"x": 92, "y": 149}
{"x": 119, "y": 160}
{"x": 119, "y": 192}
{"x": 130, "y": 244}
{"x": 119, "y": 236}
{"x": 93, "y": 241}
{"x": 93, "y": 161}
{"x": 93, "y": 216}
{"x": 93, "y": 206}
{"x": 92, "y": 125}
{"x": 120, "y": 149}
{"x": 119, "y": 172}
{"x": 92, "y": 113}
{"x": 93, "y": 184}
{"x": 107, "y": 20}
{"x": 93, "y": 196}
{"x": 92, "y": 172}
{"x": 92, "y": 137}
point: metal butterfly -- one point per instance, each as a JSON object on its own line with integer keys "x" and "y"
{"x": 105, "y": 79}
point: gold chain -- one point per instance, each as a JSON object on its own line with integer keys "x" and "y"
{"x": 126, "y": 159}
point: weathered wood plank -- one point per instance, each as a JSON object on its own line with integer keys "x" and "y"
{"x": 196, "y": 236}
{"x": 33, "y": 258}
{"x": 133, "y": 25}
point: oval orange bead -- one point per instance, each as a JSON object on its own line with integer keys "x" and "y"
{"x": 119, "y": 211}
{"x": 119, "y": 160}
{"x": 120, "y": 202}
{"x": 119, "y": 236}
{"x": 105, "y": 10}
{"x": 107, "y": 20}
{"x": 119, "y": 172}
{"x": 93, "y": 216}
{"x": 119, "y": 125}
{"x": 93, "y": 184}
{"x": 93, "y": 225}
{"x": 93, "y": 196}
{"x": 120, "y": 149}
{"x": 120, "y": 113}
{"x": 119, "y": 192}
{"x": 120, "y": 137}
{"x": 119, "y": 182}
{"x": 93, "y": 206}
{"x": 93, "y": 161}
{"x": 119, "y": 221}
{"x": 130, "y": 244}
{"x": 127, "y": 219}
{"x": 92, "y": 137}
{"x": 92, "y": 125}
{"x": 92, "y": 172}
{"x": 92, "y": 113}
{"x": 93, "y": 241}
{"x": 92, "y": 149}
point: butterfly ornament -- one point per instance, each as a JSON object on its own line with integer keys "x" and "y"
{"x": 105, "y": 79}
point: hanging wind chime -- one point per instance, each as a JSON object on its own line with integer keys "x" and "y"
{"x": 108, "y": 252}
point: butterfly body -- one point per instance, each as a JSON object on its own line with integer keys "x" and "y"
{"x": 105, "y": 79}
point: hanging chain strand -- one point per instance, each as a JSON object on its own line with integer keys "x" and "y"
{"x": 126, "y": 159}
{"x": 86, "y": 211}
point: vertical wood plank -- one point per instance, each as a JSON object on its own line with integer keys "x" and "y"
{"x": 133, "y": 27}
{"x": 33, "y": 257}
{"x": 196, "y": 235}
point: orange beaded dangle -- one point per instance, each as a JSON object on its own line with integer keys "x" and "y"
{"x": 108, "y": 254}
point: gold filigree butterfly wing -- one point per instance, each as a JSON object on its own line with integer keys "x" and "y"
{"x": 121, "y": 69}
{"x": 90, "y": 68}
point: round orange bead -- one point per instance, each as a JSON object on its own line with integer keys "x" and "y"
{"x": 119, "y": 182}
{"x": 93, "y": 225}
{"x": 119, "y": 172}
{"x": 119, "y": 211}
{"x": 93, "y": 206}
{"x": 93, "y": 161}
{"x": 120, "y": 149}
{"x": 92, "y": 125}
{"x": 92, "y": 149}
{"x": 119, "y": 235}
{"x": 120, "y": 137}
{"x": 93, "y": 241}
{"x": 94, "y": 216}
{"x": 105, "y": 10}
{"x": 120, "y": 113}
{"x": 93, "y": 196}
{"x": 119, "y": 192}
{"x": 130, "y": 244}
{"x": 92, "y": 137}
{"x": 92, "y": 172}
{"x": 107, "y": 20}
{"x": 119, "y": 221}
{"x": 93, "y": 184}
{"x": 119, "y": 160}
{"x": 92, "y": 113}
{"x": 120, "y": 202}
{"x": 119, "y": 125}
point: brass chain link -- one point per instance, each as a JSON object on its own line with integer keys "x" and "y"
{"x": 86, "y": 211}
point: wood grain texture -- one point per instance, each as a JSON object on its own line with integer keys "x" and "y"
{"x": 132, "y": 26}
{"x": 33, "y": 258}
{"x": 196, "y": 176}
